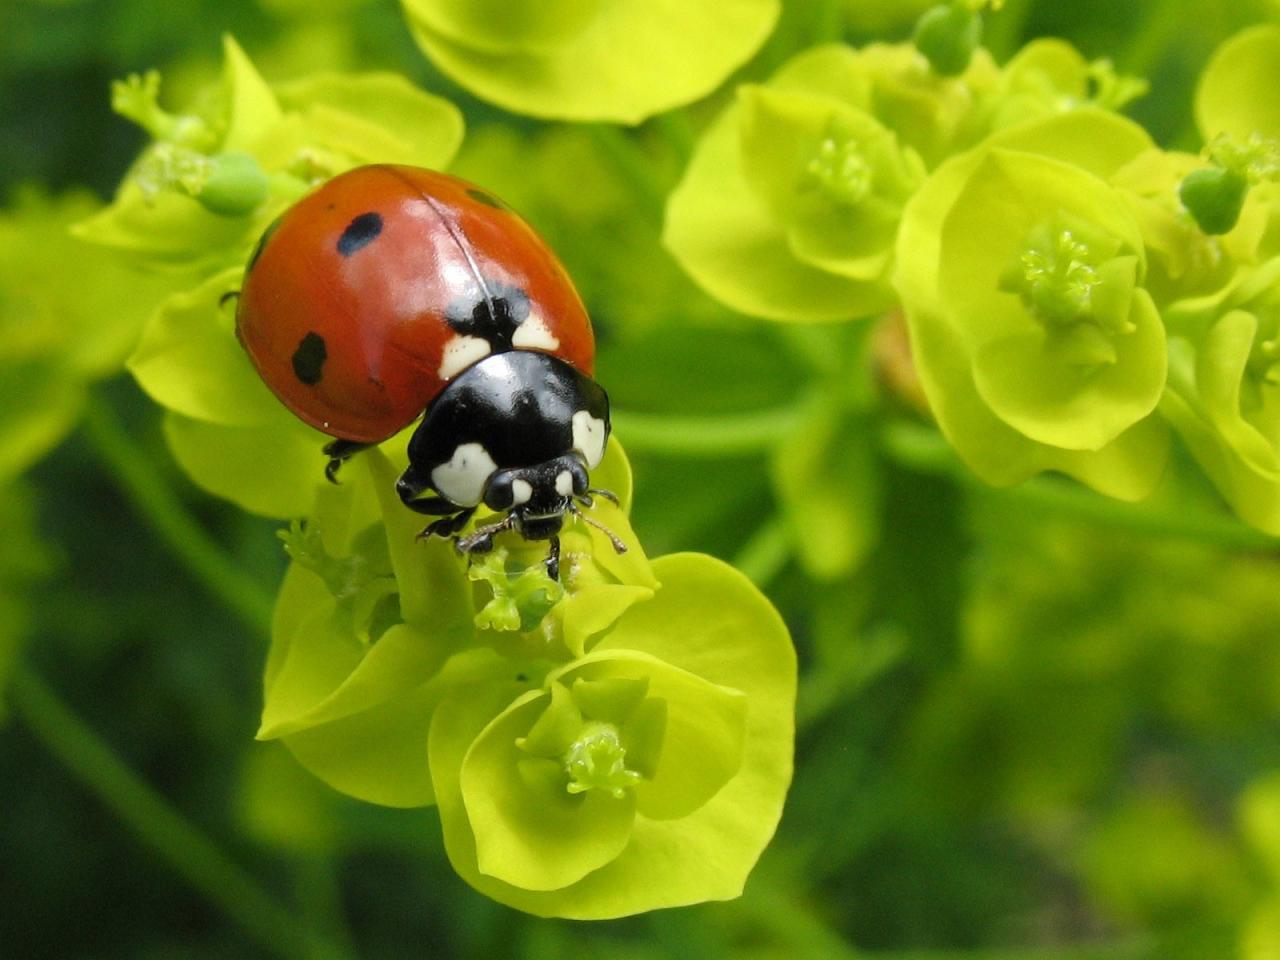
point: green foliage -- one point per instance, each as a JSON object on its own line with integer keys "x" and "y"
{"x": 1022, "y": 731}
{"x": 611, "y": 60}
{"x": 58, "y": 337}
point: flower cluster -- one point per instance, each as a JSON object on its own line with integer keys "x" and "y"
{"x": 610, "y": 742}
{"x": 615, "y": 743}
{"x": 1074, "y": 295}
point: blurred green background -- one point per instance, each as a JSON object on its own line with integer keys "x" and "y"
{"x": 1033, "y": 724}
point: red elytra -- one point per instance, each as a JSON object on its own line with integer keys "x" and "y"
{"x": 371, "y": 293}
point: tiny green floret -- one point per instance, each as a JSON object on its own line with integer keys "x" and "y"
{"x": 1111, "y": 90}
{"x": 1256, "y": 158}
{"x": 1059, "y": 275}
{"x": 522, "y": 596}
{"x": 597, "y": 760}
{"x": 136, "y": 98}
{"x": 840, "y": 170}
{"x": 344, "y": 576}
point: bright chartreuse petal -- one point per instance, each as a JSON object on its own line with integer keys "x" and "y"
{"x": 1094, "y": 140}
{"x": 1239, "y": 90}
{"x": 632, "y": 566}
{"x": 530, "y": 831}
{"x": 593, "y": 609}
{"x": 497, "y": 25}
{"x": 703, "y": 741}
{"x": 1029, "y": 383}
{"x": 1205, "y": 404}
{"x": 614, "y": 473}
{"x": 375, "y": 118}
{"x": 250, "y": 109}
{"x": 673, "y": 53}
{"x": 380, "y": 754}
{"x": 167, "y": 229}
{"x": 727, "y": 240}
{"x": 189, "y": 360}
{"x": 228, "y": 461}
{"x": 709, "y": 621}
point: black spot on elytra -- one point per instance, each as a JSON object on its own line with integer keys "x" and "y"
{"x": 262, "y": 242}
{"x": 488, "y": 199}
{"x": 309, "y": 358}
{"x": 493, "y": 318}
{"x": 360, "y": 232}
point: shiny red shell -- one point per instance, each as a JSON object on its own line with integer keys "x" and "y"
{"x": 370, "y": 294}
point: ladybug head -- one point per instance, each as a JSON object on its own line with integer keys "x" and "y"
{"x": 538, "y": 497}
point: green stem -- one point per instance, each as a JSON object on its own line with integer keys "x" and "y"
{"x": 829, "y": 18}
{"x": 764, "y": 555}
{"x": 141, "y": 482}
{"x": 706, "y": 437}
{"x": 1163, "y": 21}
{"x": 155, "y": 822}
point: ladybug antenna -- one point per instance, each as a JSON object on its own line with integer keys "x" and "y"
{"x": 229, "y": 295}
{"x": 618, "y": 545}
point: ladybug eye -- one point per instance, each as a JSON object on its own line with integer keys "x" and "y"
{"x": 499, "y": 493}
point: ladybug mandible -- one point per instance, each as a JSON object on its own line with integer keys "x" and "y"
{"x": 392, "y": 293}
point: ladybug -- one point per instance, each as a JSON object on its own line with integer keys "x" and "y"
{"x": 392, "y": 293}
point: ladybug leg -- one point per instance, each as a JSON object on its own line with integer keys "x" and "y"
{"x": 607, "y": 494}
{"x": 553, "y": 559}
{"x": 339, "y": 452}
{"x": 481, "y": 541}
{"x": 447, "y": 526}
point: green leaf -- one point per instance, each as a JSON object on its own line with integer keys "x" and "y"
{"x": 227, "y": 461}
{"x": 190, "y": 362}
{"x": 1239, "y": 89}
{"x": 674, "y": 53}
{"x": 375, "y": 118}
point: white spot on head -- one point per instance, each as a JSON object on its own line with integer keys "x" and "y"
{"x": 461, "y": 352}
{"x": 462, "y": 479}
{"x": 564, "y": 483}
{"x": 521, "y": 491}
{"x": 532, "y": 334}
{"x": 589, "y": 437}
